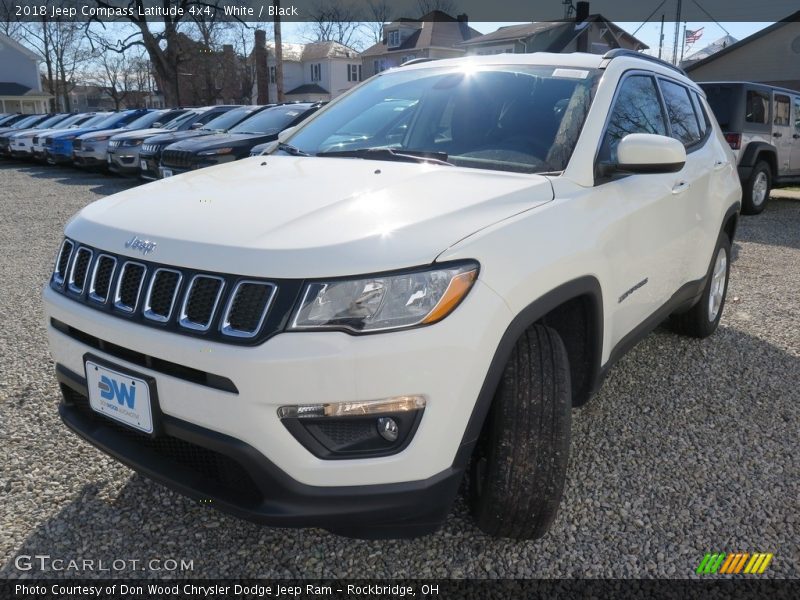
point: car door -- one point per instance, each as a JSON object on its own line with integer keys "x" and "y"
{"x": 794, "y": 159}
{"x": 691, "y": 203}
{"x": 648, "y": 237}
{"x": 782, "y": 131}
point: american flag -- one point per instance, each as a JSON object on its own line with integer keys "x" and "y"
{"x": 693, "y": 35}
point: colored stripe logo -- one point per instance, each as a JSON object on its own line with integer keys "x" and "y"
{"x": 735, "y": 563}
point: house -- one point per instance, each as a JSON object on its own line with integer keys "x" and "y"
{"x": 587, "y": 33}
{"x": 20, "y": 84}
{"x": 318, "y": 71}
{"x": 707, "y": 51}
{"x": 770, "y": 56}
{"x": 435, "y": 35}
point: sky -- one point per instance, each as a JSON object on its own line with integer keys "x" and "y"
{"x": 648, "y": 33}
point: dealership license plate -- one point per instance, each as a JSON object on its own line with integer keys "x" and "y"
{"x": 119, "y": 396}
{"x": 143, "y": 165}
{"x": 166, "y": 172}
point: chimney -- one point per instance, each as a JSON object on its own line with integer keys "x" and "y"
{"x": 262, "y": 70}
{"x": 581, "y": 11}
{"x": 463, "y": 25}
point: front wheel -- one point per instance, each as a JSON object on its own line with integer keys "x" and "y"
{"x": 703, "y": 318}
{"x": 520, "y": 464}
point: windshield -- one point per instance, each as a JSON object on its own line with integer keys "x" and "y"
{"x": 229, "y": 119}
{"x": 179, "y": 120}
{"x": 147, "y": 120}
{"x": 75, "y": 120}
{"x": 52, "y": 121}
{"x": 511, "y": 117}
{"x": 27, "y": 122}
{"x": 112, "y": 120}
{"x": 97, "y": 119}
{"x": 271, "y": 120}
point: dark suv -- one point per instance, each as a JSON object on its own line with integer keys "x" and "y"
{"x": 761, "y": 124}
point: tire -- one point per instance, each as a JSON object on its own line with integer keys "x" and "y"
{"x": 702, "y": 319}
{"x": 755, "y": 191}
{"x": 520, "y": 463}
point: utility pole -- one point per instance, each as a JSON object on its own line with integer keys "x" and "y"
{"x": 278, "y": 50}
{"x": 677, "y": 30}
{"x": 661, "y": 38}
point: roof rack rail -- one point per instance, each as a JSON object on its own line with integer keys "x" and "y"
{"x": 416, "y": 61}
{"x": 618, "y": 52}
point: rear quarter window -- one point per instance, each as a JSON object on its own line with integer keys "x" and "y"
{"x": 757, "y": 107}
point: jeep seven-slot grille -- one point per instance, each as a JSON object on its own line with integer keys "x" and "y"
{"x": 229, "y": 308}
{"x": 114, "y": 144}
{"x": 180, "y": 159}
{"x": 151, "y": 148}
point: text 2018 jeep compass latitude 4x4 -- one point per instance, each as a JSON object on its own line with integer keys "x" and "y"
{"x": 333, "y": 334}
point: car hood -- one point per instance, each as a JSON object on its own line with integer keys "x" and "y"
{"x": 220, "y": 140}
{"x": 78, "y": 131}
{"x": 135, "y": 134}
{"x": 96, "y": 133}
{"x": 176, "y": 136}
{"x": 290, "y": 217}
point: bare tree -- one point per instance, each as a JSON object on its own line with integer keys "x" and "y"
{"x": 115, "y": 74}
{"x": 426, "y": 6}
{"x": 377, "y": 14}
{"x": 336, "y": 22}
{"x": 62, "y": 47}
{"x": 10, "y": 24}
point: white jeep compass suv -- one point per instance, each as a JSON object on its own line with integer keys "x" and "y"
{"x": 417, "y": 283}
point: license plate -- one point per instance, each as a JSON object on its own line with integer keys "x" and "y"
{"x": 143, "y": 165}
{"x": 166, "y": 172}
{"x": 119, "y": 396}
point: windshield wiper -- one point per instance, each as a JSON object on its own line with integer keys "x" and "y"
{"x": 419, "y": 156}
{"x": 289, "y": 149}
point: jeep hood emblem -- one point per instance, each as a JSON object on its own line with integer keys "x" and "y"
{"x": 143, "y": 246}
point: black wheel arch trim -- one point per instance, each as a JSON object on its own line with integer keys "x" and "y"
{"x": 587, "y": 286}
{"x": 753, "y": 150}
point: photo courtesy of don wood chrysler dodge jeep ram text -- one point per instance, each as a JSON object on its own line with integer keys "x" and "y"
{"x": 415, "y": 285}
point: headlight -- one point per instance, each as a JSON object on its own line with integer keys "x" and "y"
{"x": 100, "y": 139}
{"x": 215, "y": 152}
{"x": 385, "y": 302}
{"x": 131, "y": 143}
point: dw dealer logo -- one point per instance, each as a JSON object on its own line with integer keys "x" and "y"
{"x": 734, "y": 563}
{"x": 111, "y": 388}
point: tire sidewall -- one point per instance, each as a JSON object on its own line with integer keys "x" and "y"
{"x": 722, "y": 243}
{"x": 749, "y": 206}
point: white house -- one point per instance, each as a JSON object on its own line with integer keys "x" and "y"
{"x": 20, "y": 83}
{"x": 318, "y": 71}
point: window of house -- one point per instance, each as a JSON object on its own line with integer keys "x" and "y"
{"x": 757, "y": 107}
{"x": 316, "y": 72}
{"x": 273, "y": 78}
{"x": 353, "y": 72}
{"x": 680, "y": 112}
{"x": 379, "y": 65}
{"x": 407, "y": 58}
{"x": 637, "y": 109}
{"x": 782, "y": 109}
{"x": 394, "y": 38}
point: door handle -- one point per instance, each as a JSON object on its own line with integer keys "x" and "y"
{"x": 720, "y": 164}
{"x": 777, "y": 134}
{"x": 681, "y": 187}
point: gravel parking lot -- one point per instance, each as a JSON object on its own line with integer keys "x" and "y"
{"x": 691, "y": 446}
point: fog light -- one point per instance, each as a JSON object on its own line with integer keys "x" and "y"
{"x": 388, "y": 429}
{"x": 352, "y": 409}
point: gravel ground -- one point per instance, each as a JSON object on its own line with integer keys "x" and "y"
{"x": 691, "y": 446}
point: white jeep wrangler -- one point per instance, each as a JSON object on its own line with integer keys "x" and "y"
{"x": 417, "y": 283}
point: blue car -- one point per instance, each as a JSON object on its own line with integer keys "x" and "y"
{"x": 58, "y": 147}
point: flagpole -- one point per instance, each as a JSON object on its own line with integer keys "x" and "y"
{"x": 661, "y": 38}
{"x": 683, "y": 45}
{"x": 675, "y": 39}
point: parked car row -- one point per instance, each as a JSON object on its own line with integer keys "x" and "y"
{"x": 150, "y": 144}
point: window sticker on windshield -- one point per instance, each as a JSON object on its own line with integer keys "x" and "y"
{"x": 292, "y": 113}
{"x": 571, "y": 73}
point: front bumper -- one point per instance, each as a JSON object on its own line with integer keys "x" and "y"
{"x": 59, "y": 153}
{"x": 234, "y": 477}
{"x": 88, "y": 157}
{"x": 124, "y": 161}
{"x": 22, "y": 148}
{"x": 446, "y": 363}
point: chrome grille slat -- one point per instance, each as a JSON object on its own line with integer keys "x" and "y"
{"x": 247, "y": 308}
{"x": 165, "y": 283}
{"x": 102, "y": 276}
{"x": 80, "y": 269}
{"x": 200, "y": 302}
{"x": 131, "y": 277}
{"x": 62, "y": 261}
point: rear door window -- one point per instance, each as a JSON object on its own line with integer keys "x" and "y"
{"x": 682, "y": 119}
{"x": 782, "y": 110}
{"x": 757, "y": 107}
